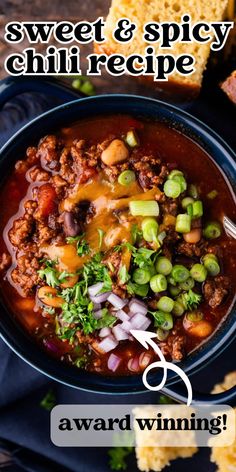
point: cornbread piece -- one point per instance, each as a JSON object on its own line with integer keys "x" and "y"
{"x": 142, "y": 12}
{"x": 229, "y": 87}
{"x": 225, "y": 457}
{"x": 155, "y": 458}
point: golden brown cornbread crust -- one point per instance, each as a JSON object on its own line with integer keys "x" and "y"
{"x": 171, "y": 87}
{"x": 144, "y": 11}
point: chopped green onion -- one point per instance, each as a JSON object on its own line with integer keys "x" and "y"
{"x": 163, "y": 266}
{"x": 126, "y": 177}
{"x": 87, "y": 88}
{"x": 181, "y": 181}
{"x": 101, "y": 236}
{"x": 76, "y": 84}
{"x": 187, "y": 284}
{"x": 165, "y": 304}
{"x": 150, "y": 229}
{"x": 171, "y": 280}
{"x": 161, "y": 236}
{"x": 131, "y": 139}
{"x": 141, "y": 276}
{"x": 158, "y": 283}
{"x": 180, "y": 273}
{"x": 211, "y": 264}
{"x": 186, "y": 201}
{"x": 83, "y": 85}
{"x": 183, "y": 223}
{"x": 197, "y": 209}
{"x": 178, "y": 308}
{"x": 162, "y": 320}
{"x": 151, "y": 269}
{"x": 162, "y": 334}
{"x": 213, "y": 194}
{"x": 212, "y": 230}
{"x": 174, "y": 290}
{"x": 174, "y": 173}
{"x": 165, "y": 322}
{"x": 190, "y": 210}
{"x": 194, "y": 316}
{"x": 172, "y": 189}
{"x": 193, "y": 191}
{"x": 198, "y": 272}
{"x": 144, "y": 208}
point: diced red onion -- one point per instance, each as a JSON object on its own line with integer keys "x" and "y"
{"x": 137, "y": 321}
{"x": 50, "y": 345}
{"x": 119, "y": 333}
{"x": 108, "y": 343}
{"x": 133, "y": 364}
{"x": 116, "y": 301}
{"x": 144, "y": 359}
{"x": 98, "y": 314}
{"x": 145, "y": 325}
{"x": 113, "y": 362}
{"x": 122, "y": 315}
{"x": 100, "y": 298}
{"x": 96, "y": 306}
{"x": 126, "y": 326}
{"x": 95, "y": 289}
{"x": 136, "y": 306}
{"x": 104, "y": 332}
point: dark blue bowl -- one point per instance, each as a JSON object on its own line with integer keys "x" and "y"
{"x": 51, "y": 121}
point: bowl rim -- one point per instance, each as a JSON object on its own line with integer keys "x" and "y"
{"x": 209, "y": 350}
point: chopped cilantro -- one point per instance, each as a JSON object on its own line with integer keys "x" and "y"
{"x": 164, "y": 400}
{"x": 107, "y": 319}
{"x": 118, "y": 456}
{"x": 94, "y": 271}
{"x": 136, "y": 234}
{"x": 123, "y": 275}
{"x": 49, "y": 401}
{"x": 52, "y": 276}
{"x": 49, "y": 310}
{"x": 191, "y": 300}
{"x": 81, "y": 362}
{"x": 78, "y": 310}
{"x": 159, "y": 318}
{"x": 81, "y": 245}
{"x": 101, "y": 236}
{"x": 141, "y": 257}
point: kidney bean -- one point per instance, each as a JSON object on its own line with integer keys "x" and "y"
{"x": 71, "y": 225}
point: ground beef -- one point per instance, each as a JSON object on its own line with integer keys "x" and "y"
{"x": 48, "y": 152}
{"x": 215, "y": 290}
{"x": 5, "y": 261}
{"x": 21, "y": 230}
{"x": 25, "y": 275}
{"x": 169, "y": 207}
{"x": 45, "y": 234}
{"x": 36, "y": 174}
{"x": 189, "y": 250}
{"x": 149, "y": 172}
{"x": 84, "y": 338}
{"x": 174, "y": 346}
{"x": 31, "y": 158}
{"x": 113, "y": 263}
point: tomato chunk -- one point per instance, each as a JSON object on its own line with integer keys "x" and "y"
{"x": 46, "y": 200}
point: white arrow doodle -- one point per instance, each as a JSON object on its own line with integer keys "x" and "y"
{"x": 146, "y": 339}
